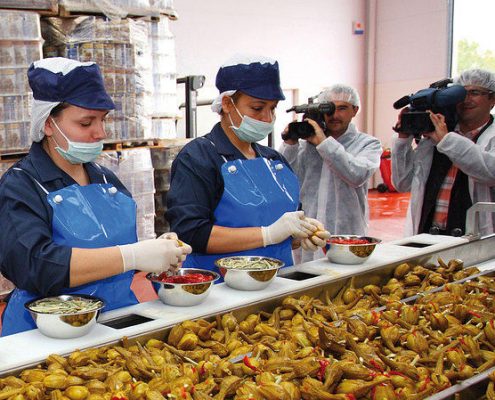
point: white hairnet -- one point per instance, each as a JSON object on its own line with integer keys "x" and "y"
{"x": 340, "y": 92}
{"x": 39, "y": 114}
{"x": 41, "y": 109}
{"x": 477, "y": 77}
{"x": 216, "y": 106}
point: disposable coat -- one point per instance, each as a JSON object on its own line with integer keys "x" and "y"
{"x": 411, "y": 168}
{"x": 334, "y": 180}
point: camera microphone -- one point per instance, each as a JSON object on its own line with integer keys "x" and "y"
{"x": 402, "y": 102}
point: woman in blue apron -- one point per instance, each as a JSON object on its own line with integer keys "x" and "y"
{"x": 69, "y": 225}
{"x": 230, "y": 195}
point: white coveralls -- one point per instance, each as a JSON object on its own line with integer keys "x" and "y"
{"x": 334, "y": 181}
{"x": 411, "y": 167}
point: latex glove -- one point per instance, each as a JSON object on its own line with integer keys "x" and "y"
{"x": 155, "y": 255}
{"x": 289, "y": 224}
{"x": 318, "y": 238}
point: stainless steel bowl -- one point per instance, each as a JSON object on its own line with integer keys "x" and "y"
{"x": 66, "y": 325}
{"x": 246, "y": 277}
{"x": 350, "y": 253}
{"x": 184, "y": 294}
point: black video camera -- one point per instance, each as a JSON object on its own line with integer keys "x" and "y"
{"x": 440, "y": 98}
{"x": 314, "y": 111}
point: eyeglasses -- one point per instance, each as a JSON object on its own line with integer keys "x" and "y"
{"x": 477, "y": 93}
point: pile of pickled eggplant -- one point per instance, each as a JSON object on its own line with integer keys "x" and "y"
{"x": 363, "y": 343}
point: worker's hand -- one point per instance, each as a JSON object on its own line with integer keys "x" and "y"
{"x": 318, "y": 238}
{"x": 319, "y": 135}
{"x": 440, "y": 125}
{"x": 289, "y": 224}
{"x": 397, "y": 126}
{"x": 286, "y": 139}
{"x": 155, "y": 255}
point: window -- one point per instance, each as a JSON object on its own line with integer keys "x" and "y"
{"x": 473, "y": 31}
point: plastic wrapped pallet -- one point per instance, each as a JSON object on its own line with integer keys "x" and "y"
{"x": 121, "y": 48}
{"x": 20, "y": 45}
{"x": 165, "y": 110}
{"x": 115, "y": 9}
{"x": 134, "y": 168}
{"x": 162, "y": 158}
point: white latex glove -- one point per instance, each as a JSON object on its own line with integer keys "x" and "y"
{"x": 318, "y": 238}
{"x": 155, "y": 255}
{"x": 289, "y": 224}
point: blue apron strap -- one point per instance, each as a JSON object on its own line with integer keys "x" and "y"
{"x": 104, "y": 177}
{"x": 33, "y": 179}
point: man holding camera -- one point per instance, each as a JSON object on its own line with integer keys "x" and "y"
{"x": 447, "y": 172}
{"x": 334, "y": 166}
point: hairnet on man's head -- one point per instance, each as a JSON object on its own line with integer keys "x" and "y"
{"x": 477, "y": 77}
{"x": 340, "y": 92}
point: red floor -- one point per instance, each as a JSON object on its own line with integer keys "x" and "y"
{"x": 387, "y": 214}
{"x": 387, "y": 217}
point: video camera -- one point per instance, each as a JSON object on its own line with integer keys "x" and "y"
{"x": 314, "y": 111}
{"x": 440, "y": 98}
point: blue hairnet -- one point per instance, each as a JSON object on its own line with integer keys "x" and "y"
{"x": 61, "y": 80}
{"x": 255, "y": 76}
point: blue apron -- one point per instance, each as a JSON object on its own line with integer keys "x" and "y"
{"x": 92, "y": 216}
{"x": 257, "y": 192}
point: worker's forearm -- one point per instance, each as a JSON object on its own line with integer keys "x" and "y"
{"x": 89, "y": 265}
{"x": 224, "y": 239}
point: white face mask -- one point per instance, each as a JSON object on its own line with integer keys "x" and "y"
{"x": 78, "y": 152}
{"x": 251, "y": 130}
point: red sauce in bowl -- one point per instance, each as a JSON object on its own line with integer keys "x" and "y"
{"x": 348, "y": 241}
{"x": 187, "y": 278}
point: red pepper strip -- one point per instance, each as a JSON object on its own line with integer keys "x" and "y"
{"x": 202, "y": 370}
{"x": 425, "y": 384}
{"x": 376, "y": 365}
{"x": 183, "y": 392}
{"x": 323, "y": 366}
{"x": 397, "y": 373}
{"x": 350, "y": 396}
{"x": 474, "y": 313}
{"x": 462, "y": 341}
{"x": 248, "y": 364}
{"x": 375, "y": 317}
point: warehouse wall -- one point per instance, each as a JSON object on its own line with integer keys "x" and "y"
{"x": 403, "y": 50}
{"x": 411, "y": 52}
{"x": 312, "y": 40}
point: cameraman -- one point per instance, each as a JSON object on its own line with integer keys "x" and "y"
{"x": 450, "y": 171}
{"x": 334, "y": 166}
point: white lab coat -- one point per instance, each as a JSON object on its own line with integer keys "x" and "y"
{"x": 334, "y": 180}
{"x": 411, "y": 167}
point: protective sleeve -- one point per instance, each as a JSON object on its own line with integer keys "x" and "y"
{"x": 195, "y": 191}
{"x": 402, "y": 163}
{"x": 474, "y": 160}
{"x": 353, "y": 169}
{"x": 28, "y": 256}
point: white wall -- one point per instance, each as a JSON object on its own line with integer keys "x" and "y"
{"x": 411, "y": 53}
{"x": 311, "y": 39}
{"x": 403, "y": 50}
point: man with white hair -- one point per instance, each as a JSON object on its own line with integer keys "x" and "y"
{"x": 447, "y": 172}
{"x": 334, "y": 166}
